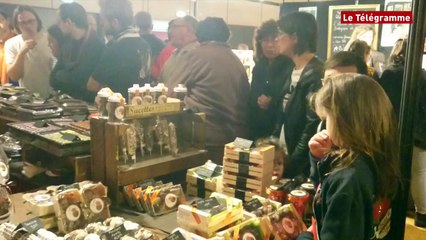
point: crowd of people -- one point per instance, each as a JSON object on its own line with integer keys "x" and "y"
{"x": 336, "y": 119}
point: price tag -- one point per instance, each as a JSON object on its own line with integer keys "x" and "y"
{"x": 242, "y": 143}
{"x": 253, "y": 205}
{"x": 32, "y": 225}
{"x": 116, "y": 233}
{"x": 208, "y": 203}
{"x": 175, "y": 236}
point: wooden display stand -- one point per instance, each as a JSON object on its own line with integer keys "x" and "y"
{"x": 107, "y": 167}
{"x": 76, "y": 157}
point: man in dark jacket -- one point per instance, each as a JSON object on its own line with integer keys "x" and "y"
{"x": 126, "y": 60}
{"x": 80, "y": 53}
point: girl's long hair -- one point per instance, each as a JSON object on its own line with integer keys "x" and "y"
{"x": 363, "y": 122}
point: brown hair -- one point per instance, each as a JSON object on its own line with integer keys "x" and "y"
{"x": 397, "y": 55}
{"x": 280, "y": 159}
{"x": 360, "y": 48}
{"x": 363, "y": 122}
{"x": 20, "y": 9}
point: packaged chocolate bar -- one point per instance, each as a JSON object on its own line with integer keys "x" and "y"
{"x": 69, "y": 207}
{"x": 165, "y": 199}
{"x": 252, "y": 229}
{"x": 144, "y": 196}
{"x": 96, "y": 202}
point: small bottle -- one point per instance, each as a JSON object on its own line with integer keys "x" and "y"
{"x": 146, "y": 92}
{"x": 180, "y": 91}
{"x": 160, "y": 93}
{"x": 134, "y": 95}
{"x": 102, "y": 100}
{"x": 116, "y": 108}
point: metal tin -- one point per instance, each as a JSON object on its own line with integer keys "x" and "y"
{"x": 299, "y": 198}
{"x": 276, "y": 194}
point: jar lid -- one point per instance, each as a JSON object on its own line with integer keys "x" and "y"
{"x": 160, "y": 87}
{"x": 298, "y": 193}
{"x": 180, "y": 88}
{"x": 145, "y": 87}
{"x": 116, "y": 97}
{"x": 105, "y": 92}
{"x": 134, "y": 88}
{"x": 308, "y": 186}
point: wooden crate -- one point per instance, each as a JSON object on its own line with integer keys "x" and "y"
{"x": 244, "y": 183}
{"x": 240, "y": 194}
{"x": 205, "y": 224}
{"x": 251, "y": 170}
{"x": 259, "y": 155}
{"x": 192, "y": 190}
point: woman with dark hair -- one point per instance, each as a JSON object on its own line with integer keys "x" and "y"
{"x": 267, "y": 81}
{"x": 29, "y": 48}
{"x": 298, "y": 41}
{"x": 391, "y": 81}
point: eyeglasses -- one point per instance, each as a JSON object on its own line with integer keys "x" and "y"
{"x": 27, "y": 22}
{"x": 269, "y": 40}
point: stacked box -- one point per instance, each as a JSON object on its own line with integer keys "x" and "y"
{"x": 247, "y": 172}
{"x": 201, "y": 186}
{"x": 206, "y": 222}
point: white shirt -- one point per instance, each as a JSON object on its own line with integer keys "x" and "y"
{"x": 295, "y": 77}
{"x": 38, "y": 63}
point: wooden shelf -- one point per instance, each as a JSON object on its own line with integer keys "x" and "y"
{"x": 160, "y": 166}
{"x": 107, "y": 168}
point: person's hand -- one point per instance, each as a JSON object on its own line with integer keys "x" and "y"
{"x": 320, "y": 144}
{"x": 28, "y": 45}
{"x": 263, "y": 102}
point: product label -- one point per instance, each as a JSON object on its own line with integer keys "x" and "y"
{"x": 146, "y": 110}
{"x": 97, "y": 205}
{"x": 4, "y": 170}
{"x": 32, "y": 225}
{"x": 73, "y": 213}
{"x": 175, "y": 236}
{"x": 119, "y": 112}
